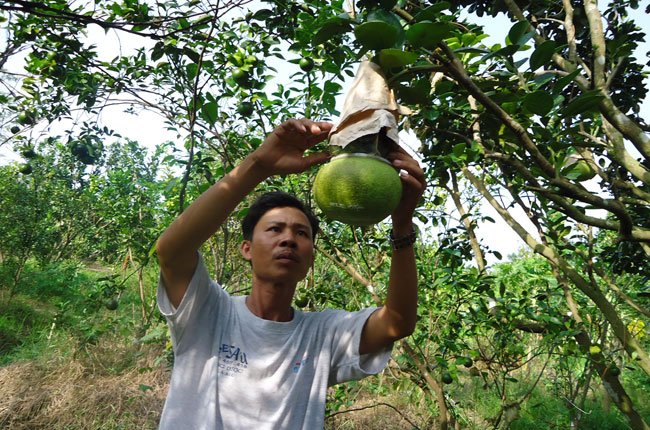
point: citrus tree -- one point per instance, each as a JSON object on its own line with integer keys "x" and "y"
{"x": 546, "y": 120}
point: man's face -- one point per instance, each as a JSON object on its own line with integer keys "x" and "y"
{"x": 282, "y": 248}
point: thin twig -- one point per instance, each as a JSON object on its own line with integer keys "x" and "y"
{"x": 374, "y": 406}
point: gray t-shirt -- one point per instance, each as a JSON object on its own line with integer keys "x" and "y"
{"x": 234, "y": 370}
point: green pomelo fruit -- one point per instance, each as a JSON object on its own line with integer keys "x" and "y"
{"x": 28, "y": 153}
{"x": 111, "y": 304}
{"x": 245, "y": 108}
{"x": 357, "y": 189}
{"x": 26, "y": 118}
{"x": 306, "y": 64}
{"x": 242, "y": 78}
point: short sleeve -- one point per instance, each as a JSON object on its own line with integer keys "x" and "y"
{"x": 199, "y": 302}
{"x": 347, "y": 364}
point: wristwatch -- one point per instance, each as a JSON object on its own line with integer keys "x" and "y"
{"x": 404, "y": 241}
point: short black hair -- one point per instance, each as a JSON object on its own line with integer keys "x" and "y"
{"x": 272, "y": 200}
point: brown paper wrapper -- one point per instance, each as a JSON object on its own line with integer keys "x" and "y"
{"x": 369, "y": 107}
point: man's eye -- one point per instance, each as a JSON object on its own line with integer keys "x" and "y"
{"x": 302, "y": 233}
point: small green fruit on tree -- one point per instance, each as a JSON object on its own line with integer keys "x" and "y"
{"x": 28, "y": 153}
{"x": 381, "y": 29}
{"x": 111, "y": 305}
{"x": 306, "y": 64}
{"x": 245, "y": 109}
{"x": 242, "y": 78}
{"x": 26, "y": 118}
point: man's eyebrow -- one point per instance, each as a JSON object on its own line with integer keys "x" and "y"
{"x": 282, "y": 223}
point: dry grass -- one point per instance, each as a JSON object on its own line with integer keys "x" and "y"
{"x": 83, "y": 393}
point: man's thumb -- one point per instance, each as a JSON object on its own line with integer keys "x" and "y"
{"x": 316, "y": 158}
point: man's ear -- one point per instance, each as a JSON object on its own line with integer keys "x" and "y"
{"x": 245, "y": 249}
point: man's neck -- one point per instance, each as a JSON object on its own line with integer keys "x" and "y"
{"x": 271, "y": 302}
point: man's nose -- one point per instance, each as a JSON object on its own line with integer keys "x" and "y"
{"x": 288, "y": 240}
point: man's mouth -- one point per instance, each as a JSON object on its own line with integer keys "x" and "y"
{"x": 287, "y": 256}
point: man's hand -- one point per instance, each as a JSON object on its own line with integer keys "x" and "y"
{"x": 413, "y": 185}
{"x": 283, "y": 150}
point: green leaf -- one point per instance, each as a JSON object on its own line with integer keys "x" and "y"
{"x": 459, "y": 150}
{"x": 209, "y": 112}
{"x": 332, "y": 27}
{"x": 427, "y": 34}
{"x": 519, "y": 34}
{"x": 508, "y": 51}
{"x": 583, "y": 103}
{"x": 192, "y": 55}
{"x": 419, "y": 92}
{"x": 158, "y": 51}
{"x": 263, "y": 15}
{"x": 192, "y": 69}
{"x": 539, "y": 102}
{"x": 564, "y": 81}
{"x": 432, "y": 13}
{"x": 390, "y": 58}
{"x": 542, "y": 55}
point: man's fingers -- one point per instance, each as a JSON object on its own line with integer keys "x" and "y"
{"x": 411, "y": 166}
{"x": 304, "y": 131}
{"x": 316, "y": 158}
{"x": 321, "y": 127}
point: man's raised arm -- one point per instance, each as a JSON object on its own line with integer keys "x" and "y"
{"x": 397, "y": 318}
{"x": 281, "y": 152}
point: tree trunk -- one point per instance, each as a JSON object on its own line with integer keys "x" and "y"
{"x": 615, "y": 391}
{"x": 630, "y": 344}
{"x": 434, "y": 386}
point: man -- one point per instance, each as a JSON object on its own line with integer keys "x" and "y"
{"x": 254, "y": 362}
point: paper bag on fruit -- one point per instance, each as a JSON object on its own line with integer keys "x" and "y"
{"x": 370, "y": 113}
{"x": 358, "y": 186}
